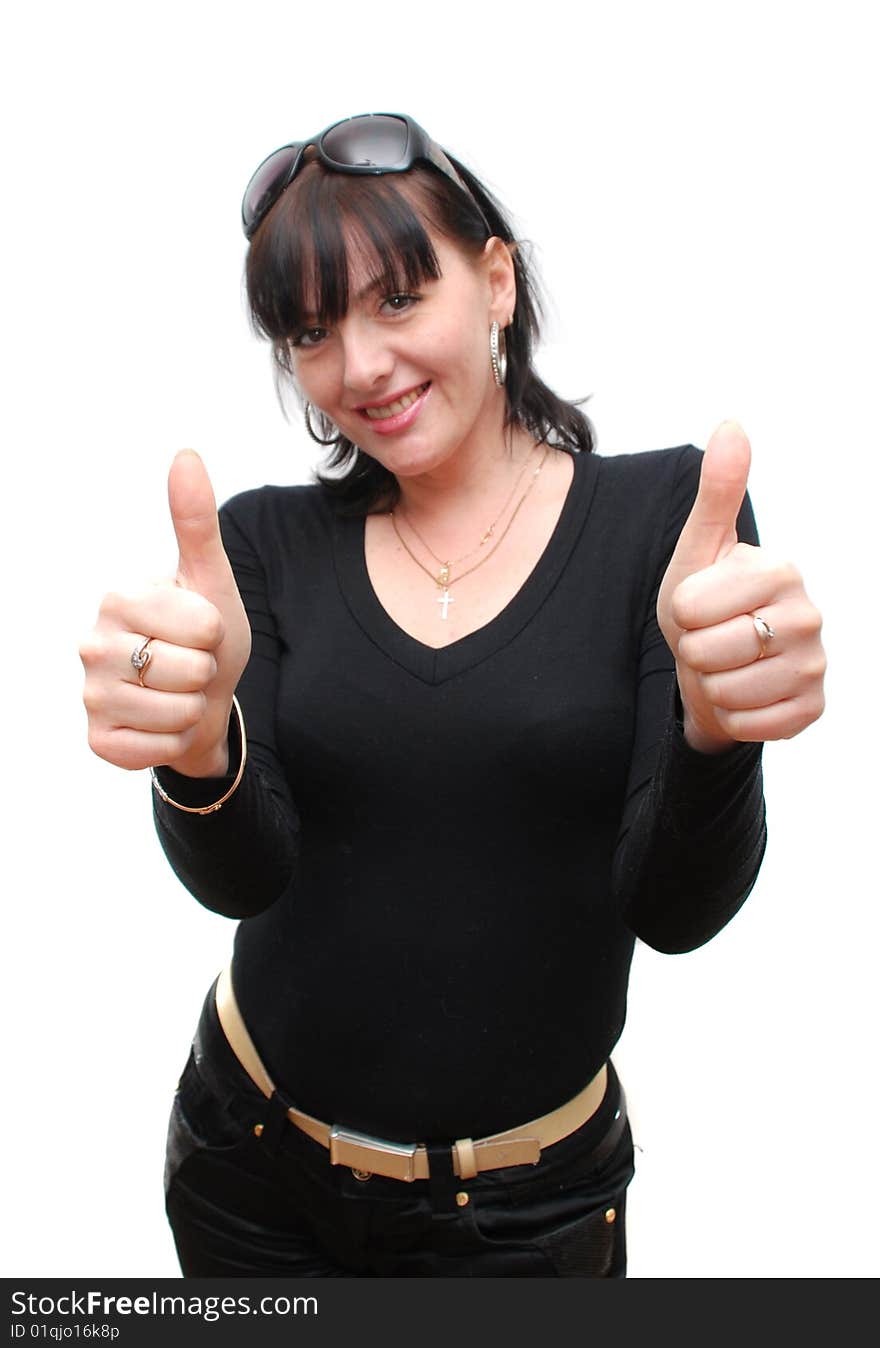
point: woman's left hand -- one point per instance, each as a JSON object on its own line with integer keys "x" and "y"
{"x": 736, "y": 682}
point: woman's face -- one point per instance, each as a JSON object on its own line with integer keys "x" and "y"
{"x": 407, "y": 377}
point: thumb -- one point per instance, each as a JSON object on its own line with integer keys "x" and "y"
{"x": 202, "y": 563}
{"x": 710, "y": 529}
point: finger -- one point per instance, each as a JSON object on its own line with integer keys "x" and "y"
{"x": 124, "y": 706}
{"x": 202, "y": 564}
{"x": 781, "y": 721}
{"x": 762, "y": 683}
{"x": 137, "y": 749}
{"x": 742, "y": 582}
{"x": 167, "y": 613}
{"x": 710, "y": 528}
{"x": 733, "y": 644}
{"x": 170, "y": 669}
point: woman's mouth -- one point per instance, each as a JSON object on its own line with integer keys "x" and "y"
{"x": 394, "y": 416}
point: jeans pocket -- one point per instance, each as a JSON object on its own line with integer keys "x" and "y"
{"x": 201, "y": 1121}
{"x": 574, "y": 1232}
{"x": 592, "y": 1245}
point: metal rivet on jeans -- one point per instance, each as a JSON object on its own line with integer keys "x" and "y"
{"x": 610, "y": 1215}
{"x": 362, "y": 1175}
{"x": 462, "y": 1199}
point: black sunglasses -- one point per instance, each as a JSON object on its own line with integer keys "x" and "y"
{"x": 380, "y": 142}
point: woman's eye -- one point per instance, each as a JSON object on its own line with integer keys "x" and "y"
{"x": 396, "y": 304}
{"x": 309, "y": 337}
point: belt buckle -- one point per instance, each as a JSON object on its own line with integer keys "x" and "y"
{"x": 362, "y": 1152}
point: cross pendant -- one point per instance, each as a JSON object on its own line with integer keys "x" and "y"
{"x": 445, "y": 599}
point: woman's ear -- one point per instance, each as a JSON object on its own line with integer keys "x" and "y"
{"x": 498, "y": 261}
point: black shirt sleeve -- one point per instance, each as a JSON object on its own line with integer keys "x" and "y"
{"x": 240, "y": 859}
{"x": 693, "y": 832}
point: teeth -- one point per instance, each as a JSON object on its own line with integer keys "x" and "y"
{"x": 394, "y": 409}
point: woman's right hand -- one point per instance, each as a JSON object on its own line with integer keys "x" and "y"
{"x": 200, "y": 644}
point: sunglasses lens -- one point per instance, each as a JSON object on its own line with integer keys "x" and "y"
{"x": 265, "y": 185}
{"x": 379, "y": 139}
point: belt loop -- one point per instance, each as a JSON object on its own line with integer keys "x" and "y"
{"x": 274, "y": 1122}
{"x": 467, "y": 1158}
{"x": 441, "y": 1177}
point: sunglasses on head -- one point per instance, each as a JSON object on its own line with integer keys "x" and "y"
{"x": 382, "y": 142}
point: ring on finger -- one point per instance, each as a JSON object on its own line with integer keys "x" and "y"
{"x": 765, "y": 632}
{"x": 140, "y": 658}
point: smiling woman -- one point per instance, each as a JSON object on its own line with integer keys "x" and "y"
{"x": 398, "y": 362}
{"x": 504, "y": 702}
{"x": 386, "y": 238}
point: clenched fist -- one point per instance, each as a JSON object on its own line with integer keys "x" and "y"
{"x": 177, "y": 713}
{"x": 736, "y": 681}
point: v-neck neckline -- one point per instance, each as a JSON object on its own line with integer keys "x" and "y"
{"x": 437, "y": 664}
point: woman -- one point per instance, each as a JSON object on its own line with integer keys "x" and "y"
{"x": 504, "y": 703}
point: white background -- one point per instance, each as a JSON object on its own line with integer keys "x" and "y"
{"x": 700, "y": 183}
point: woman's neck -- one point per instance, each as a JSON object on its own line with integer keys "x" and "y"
{"x": 465, "y": 495}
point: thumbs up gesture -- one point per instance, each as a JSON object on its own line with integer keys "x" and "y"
{"x": 192, "y": 639}
{"x": 745, "y": 637}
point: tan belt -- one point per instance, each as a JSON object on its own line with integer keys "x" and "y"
{"x": 409, "y": 1160}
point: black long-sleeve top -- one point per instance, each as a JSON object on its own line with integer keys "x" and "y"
{"x": 442, "y": 858}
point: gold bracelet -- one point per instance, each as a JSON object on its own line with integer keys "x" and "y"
{"x": 209, "y": 809}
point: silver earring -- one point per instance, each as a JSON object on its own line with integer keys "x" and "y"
{"x": 317, "y": 438}
{"x": 498, "y": 353}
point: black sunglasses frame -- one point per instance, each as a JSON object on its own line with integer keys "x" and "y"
{"x": 419, "y": 148}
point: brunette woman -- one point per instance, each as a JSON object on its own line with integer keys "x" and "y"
{"x": 445, "y": 731}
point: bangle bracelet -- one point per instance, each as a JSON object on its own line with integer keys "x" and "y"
{"x": 209, "y": 809}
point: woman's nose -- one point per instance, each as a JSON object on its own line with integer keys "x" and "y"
{"x": 367, "y": 358}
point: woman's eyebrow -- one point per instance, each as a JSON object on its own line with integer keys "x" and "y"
{"x": 371, "y": 287}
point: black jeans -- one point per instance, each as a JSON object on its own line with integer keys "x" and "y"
{"x": 238, "y": 1207}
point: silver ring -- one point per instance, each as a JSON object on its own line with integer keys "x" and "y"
{"x": 140, "y": 658}
{"x": 765, "y": 634}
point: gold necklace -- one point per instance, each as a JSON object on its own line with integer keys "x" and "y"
{"x": 490, "y": 532}
{"x": 442, "y": 578}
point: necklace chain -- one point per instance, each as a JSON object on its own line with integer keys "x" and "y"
{"x": 442, "y": 579}
{"x": 486, "y": 536}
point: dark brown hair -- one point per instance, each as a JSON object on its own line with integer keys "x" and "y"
{"x": 297, "y": 269}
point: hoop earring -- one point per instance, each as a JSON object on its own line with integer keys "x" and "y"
{"x": 498, "y": 353}
{"x": 317, "y": 438}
